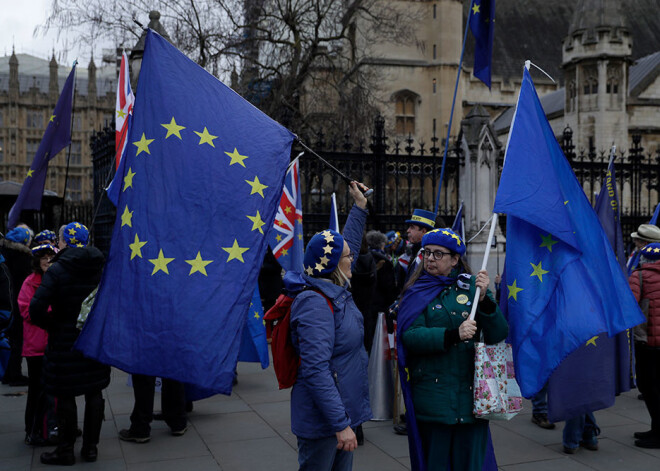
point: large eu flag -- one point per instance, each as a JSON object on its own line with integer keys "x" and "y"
{"x": 202, "y": 177}
{"x": 482, "y": 25}
{"x": 56, "y": 137}
{"x": 564, "y": 284}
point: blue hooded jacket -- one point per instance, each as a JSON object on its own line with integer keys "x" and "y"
{"x": 332, "y": 390}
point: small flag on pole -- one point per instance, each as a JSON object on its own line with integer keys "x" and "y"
{"x": 123, "y": 109}
{"x": 334, "y": 219}
{"x": 458, "y": 226}
{"x": 482, "y": 25}
{"x": 56, "y": 137}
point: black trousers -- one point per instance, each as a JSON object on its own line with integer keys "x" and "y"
{"x": 173, "y": 404}
{"x": 67, "y": 419}
{"x": 35, "y": 408}
{"x": 647, "y": 367}
{"x": 14, "y": 369}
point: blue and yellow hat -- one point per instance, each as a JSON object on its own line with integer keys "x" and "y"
{"x": 39, "y": 250}
{"x": 422, "y": 218}
{"x": 76, "y": 235}
{"x": 445, "y": 238}
{"x": 323, "y": 253}
{"x": 45, "y": 236}
{"x": 19, "y": 235}
{"x": 651, "y": 251}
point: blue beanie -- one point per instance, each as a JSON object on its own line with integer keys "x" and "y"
{"x": 76, "y": 235}
{"x": 651, "y": 251}
{"x": 323, "y": 253}
{"x": 19, "y": 235}
{"x": 45, "y": 236}
{"x": 444, "y": 238}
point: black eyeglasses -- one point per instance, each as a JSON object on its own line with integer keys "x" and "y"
{"x": 351, "y": 256}
{"x": 437, "y": 254}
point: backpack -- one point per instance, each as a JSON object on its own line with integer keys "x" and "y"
{"x": 278, "y": 328}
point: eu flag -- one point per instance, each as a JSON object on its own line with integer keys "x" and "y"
{"x": 482, "y": 25}
{"x": 564, "y": 284}
{"x": 56, "y": 137}
{"x": 254, "y": 344}
{"x": 202, "y": 177}
{"x": 457, "y": 225}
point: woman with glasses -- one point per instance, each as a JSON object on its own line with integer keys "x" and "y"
{"x": 436, "y": 354}
{"x": 331, "y": 395}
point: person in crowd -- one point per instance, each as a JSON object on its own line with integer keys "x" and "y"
{"x": 5, "y": 314}
{"x": 419, "y": 224}
{"x": 15, "y": 249}
{"x": 645, "y": 234}
{"x": 386, "y": 290}
{"x": 645, "y": 284}
{"x": 363, "y": 286}
{"x": 45, "y": 237}
{"x": 270, "y": 280}
{"x": 581, "y": 431}
{"x": 436, "y": 345}
{"x": 540, "y": 409}
{"x": 74, "y": 273}
{"x": 331, "y": 394}
{"x": 35, "y": 340}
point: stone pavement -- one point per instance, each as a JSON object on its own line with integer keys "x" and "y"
{"x": 250, "y": 431}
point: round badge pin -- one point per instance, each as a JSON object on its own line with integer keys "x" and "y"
{"x": 462, "y": 299}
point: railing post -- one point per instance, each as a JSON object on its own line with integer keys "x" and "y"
{"x": 378, "y": 148}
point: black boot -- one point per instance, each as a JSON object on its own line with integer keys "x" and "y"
{"x": 94, "y": 408}
{"x": 62, "y": 455}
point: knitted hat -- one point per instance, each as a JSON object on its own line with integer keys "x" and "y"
{"x": 19, "y": 235}
{"x": 40, "y": 250}
{"x": 323, "y": 253}
{"x": 422, "y": 218}
{"x": 45, "y": 236}
{"x": 651, "y": 251}
{"x": 647, "y": 232}
{"x": 76, "y": 234}
{"x": 444, "y": 238}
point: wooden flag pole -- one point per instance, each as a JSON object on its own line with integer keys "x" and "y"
{"x": 493, "y": 224}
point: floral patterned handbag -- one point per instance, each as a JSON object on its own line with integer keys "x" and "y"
{"x": 496, "y": 393}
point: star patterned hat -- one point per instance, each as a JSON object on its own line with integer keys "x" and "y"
{"x": 422, "y": 218}
{"x": 323, "y": 253}
{"x": 444, "y": 238}
{"x": 42, "y": 249}
{"x": 651, "y": 251}
{"x": 45, "y": 236}
{"x": 76, "y": 235}
{"x": 19, "y": 235}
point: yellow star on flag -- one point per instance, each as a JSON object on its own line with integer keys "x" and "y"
{"x": 285, "y": 252}
{"x": 538, "y": 271}
{"x": 235, "y": 252}
{"x": 257, "y": 223}
{"x": 30, "y": 173}
{"x": 256, "y": 315}
{"x": 257, "y": 186}
{"x": 236, "y": 158}
{"x": 548, "y": 242}
{"x": 513, "y": 291}
{"x": 143, "y": 145}
{"x": 136, "y": 247}
{"x": 198, "y": 264}
{"x": 52, "y": 118}
{"x": 278, "y": 238}
{"x": 287, "y": 209}
{"x": 592, "y": 341}
{"x": 128, "y": 179}
{"x": 475, "y": 9}
{"x": 205, "y": 137}
{"x": 160, "y": 263}
{"x": 121, "y": 114}
{"x": 173, "y": 129}
{"x": 126, "y": 217}
{"x": 299, "y": 236}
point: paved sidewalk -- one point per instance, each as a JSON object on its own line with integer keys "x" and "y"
{"x": 250, "y": 431}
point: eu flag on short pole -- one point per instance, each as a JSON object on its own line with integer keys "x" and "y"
{"x": 286, "y": 235}
{"x": 334, "y": 217}
{"x": 590, "y": 377}
{"x": 482, "y": 25}
{"x": 457, "y": 226}
{"x": 202, "y": 177}
{"x": 254, "y": 344}
{"x": 564, "y": 283}
{"x": 56, "y": 137}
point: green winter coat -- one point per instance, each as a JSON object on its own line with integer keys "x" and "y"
{"x": 441, "y": 375}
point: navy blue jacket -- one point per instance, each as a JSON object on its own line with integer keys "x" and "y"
{"x": 332, "y": 390}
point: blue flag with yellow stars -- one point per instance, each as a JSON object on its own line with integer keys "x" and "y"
{"x": 202, "y": 178}
{"x": 254, "y": 343}
{"x": 564, "y": 283}
{"x": 56, "y": 137}
{"x": 482, "y": 25}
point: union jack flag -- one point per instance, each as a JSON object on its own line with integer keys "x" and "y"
{"x": 286, "y": 237}
{"x": 123, "y": 109}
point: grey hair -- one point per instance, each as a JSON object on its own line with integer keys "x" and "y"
{"x": 376, "y": 239}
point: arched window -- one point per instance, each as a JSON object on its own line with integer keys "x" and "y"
{"x": 404, "y": 112}
{"x": 612, "y": 88}
{"x": 572, "y": 96}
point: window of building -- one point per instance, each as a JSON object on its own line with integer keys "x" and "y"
{"x": 434, "y": 11}
{"x": 572, "y": 96}
{"x": 77, "y": 123}
{"x": 32, "y": 147}
{"x": 2, "y": 150}
{"x": 74, "y": 188}
{"x": 35, "y": 119}
{"x": 76, "y": 153}
{"x": 1, "y": 119}
{"x": 405, "y": 113}
{"x": 435, "y": 48}
{"x": 614, "y": 100}
{"x": 434, "y": 85}
{"x": 589, "y": 88}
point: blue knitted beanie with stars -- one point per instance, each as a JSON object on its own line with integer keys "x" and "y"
{"x": 323, "y": 253}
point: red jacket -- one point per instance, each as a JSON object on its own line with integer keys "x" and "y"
{"x": 35, "y": 338}
{"x": 651, "y": 291}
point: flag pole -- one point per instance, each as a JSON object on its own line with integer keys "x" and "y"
{"x": 68, "y": 156}
{"x": 451, "y": 115}
{"x": 477, "y": 293}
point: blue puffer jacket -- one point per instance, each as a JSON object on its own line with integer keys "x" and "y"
{"x": 331, "y": 391}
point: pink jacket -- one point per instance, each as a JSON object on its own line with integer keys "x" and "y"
{"x": 651, "y": 291}
{"x": 35, "y": 338}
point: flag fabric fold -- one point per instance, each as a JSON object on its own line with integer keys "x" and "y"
{"x": 564, "y": 284}
{"x": 200, "y": 179}
{"x": 56, "y": 137}
{"x": 286, "y": 235}
{"x": 482, "y": 25}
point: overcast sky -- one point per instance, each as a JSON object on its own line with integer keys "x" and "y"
{"x": 18, "y": 18}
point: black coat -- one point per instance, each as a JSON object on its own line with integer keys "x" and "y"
{"x": 18, "y": 259}
{"x": 74, "y": 274}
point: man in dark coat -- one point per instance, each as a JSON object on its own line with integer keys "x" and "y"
{"x": 73, "y": 275}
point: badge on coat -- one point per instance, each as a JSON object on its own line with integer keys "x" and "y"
{"x": 462, "y": 299}
{"x": 465, "y": 314}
